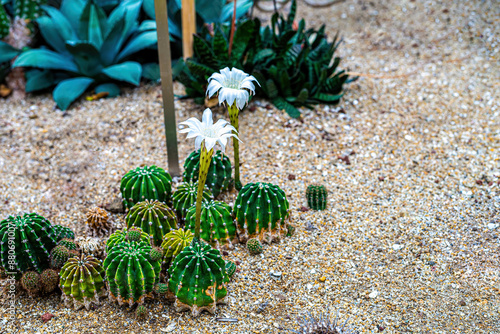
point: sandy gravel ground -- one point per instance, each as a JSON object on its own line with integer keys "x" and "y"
{"x": 410, "y": 239}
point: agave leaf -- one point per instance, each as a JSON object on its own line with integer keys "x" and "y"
{"x": 86, "y": 56}
{"x": 7, "y": 52}
{"x": 151, "y": 71}
{"x": 72, "y": 10}
{"x": 51, "y": 33}
{"x": 92, "y": 24}
{"x": 69, "y": 90}
{"x": 110, "y": 46}
{"x": 138, "y": 43}
{"x": 210, "y": 11}
{"x": 129, "y": 71}
{"x": 46, "y": 59}
{"x": 38, "y": 80}
{"x": 149, "y": 8}
{"x": 65, "y": 29}
{"x": 282, "y": 104}
{"x": 147, "y": 25}
{"x": 128, "y": 11}
{"x": 112, "y": 89}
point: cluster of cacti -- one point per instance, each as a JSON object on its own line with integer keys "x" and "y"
{"x": 126, "y": 235}
{"x": 185, "y": 197}
{"x": 62, "y": 232}
{"x": 34, "y": 283}
{"x": 58, "y": 256}
{"x": 254, "y": 246}
{"x": 30, "y": 281}
{"x": 198, "y": 278}
{"x": 261, "y": 211}
{"x": 316, "y": 197}
{"x": 175, "y": 241}
{"x": 153, "y": 217}
{"x": 49, "y": 278}
{"x": 131, "y": 273}
{"x": 217, "y": 226}
{"x": 90, "y": 246}
{"x": 230, "y": 268}
{"x": 32, "y": 242}
{"x": 98, "y": 224}
{"x": 82, "y": 281}
{"x": 146, "y": 183}
{"x": 219, "y": 173}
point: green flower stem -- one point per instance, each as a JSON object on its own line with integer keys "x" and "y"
{"x": 205, "y": 159}
{"x": 233, "y": 117}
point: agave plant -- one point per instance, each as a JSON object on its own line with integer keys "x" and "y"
{"x": 87, "y": 48}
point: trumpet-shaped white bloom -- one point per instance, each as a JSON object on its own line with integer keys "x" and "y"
{"x": 232, "y": 85}
{"x": 209, "y": 132}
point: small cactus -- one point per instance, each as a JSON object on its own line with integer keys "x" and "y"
{"x": 90, "y": 246}
{"x": 185, "y": 197}
{"x": 58, "y": 256}
{"x": 70, "y": 244}
{"x": 254, "y": 246}
{"x": 217, "y": 226}
{"x": 156, "y": 254}
{"x": 219, "y": 173}
{"x": 82, "y": 281}
{"x": 316, "y": 197}
{"x": 62, "y": 232}
{"x": 49, "y": 279}
{"x": 146, "y": 183}
{"x": 230, "y": 268}
{"x": 141, "y": 312}
{"x": 98, "y": 224}
{"x": 30, "y": 281}
{"x": 127, "y": 235}
{"x": 161, "y": 288}
{"x": 154, "y": 218}
{"x": 175, "y": 241}
{"x": 290, "y": 230}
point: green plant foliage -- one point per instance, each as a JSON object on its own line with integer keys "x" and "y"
{"x": 175, "y": 241}
{"x": 4, "y": 22}
{"x": 58, "y": 256}
{"x": 185, "y": 197}
{"x": 87, "y": 48}
{"x": 68, "y": 243}
{"x": 230, "y": 268}
{"x": 316, "y": 197}
{"x": 126, "y": 235}
{"x": 62, "y": 232}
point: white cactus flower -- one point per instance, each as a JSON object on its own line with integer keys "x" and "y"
{"x": 209, "y": 132}
{"x": 232, "y": 85}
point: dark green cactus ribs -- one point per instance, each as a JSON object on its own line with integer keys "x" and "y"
{"x": 61, "y": 232}
{"x": 141, "y": 312}
{"x": 219, "y": 173}
{"x": 131, "y": 273}
{"x": 230, "y": 268}
{"x": 198, "y": 278}
{"x": 58, "y": 256}
{"x": 217, "y": 226}
{"x": 82, "y": 281}
{"x": 254, "y": 246}
{"x": 146, "y": 183}
{"x": 261, "y": 211}
{"x": 154, "y": 218}
{"x": 316, "y": 197}
{"x": 32, "y": 240}
{"x": 175, "y": 241}
{"x": 185, "y": 197}
{"x": 127, "y": 235}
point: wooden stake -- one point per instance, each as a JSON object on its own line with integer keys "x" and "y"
{"x": 188, "y": 27}
{"x": 166, "y": 86}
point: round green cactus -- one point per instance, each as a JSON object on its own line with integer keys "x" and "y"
{"x": 70, "y": 244}
{"x": 62, "y": 232}
{"x": 185, "y": 197}
{"x": 156, "y": 254}
{"x": 161, "y": 288}
{"x": 316, "y": 197}
{"x": 32, "y": 240}
{"x": 82, "y": 281}
{"x": 175, "y": 241}
{"x": 141, "y": 312}
{"x": 261, "y": 211}
{"x": 154, "y": 218}
{"x": 49, "y": 279}
{"x": 146, "y": 183}
{"x": 230, "y": 268}
{"x": 217, "y": 226}
{"x": 198, "y": 278}
{"x": 131, "y": 273}
{"x": 126, "y": 235}
{"x": 30, "y": 281}
{"x": 58, "y": 256}
{"x": 219, "y": 173}
{"x": 254, "y": 246}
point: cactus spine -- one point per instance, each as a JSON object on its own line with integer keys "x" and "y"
{"x": 146, "y": 183}
{"x": 261, "y": 211}
{"x": 126, "y": 235}
{"x": 30, "y": 281}
{"x": 82, "y": 281}
{"x": 98, "y": 222}
{"x": 316, "y": 197}
{"x": 33, "y": 239}
{"x": 217, "y": 226}
{"x": 49, "y": 279}
{"x": 62, "y": 232}
{"x": 154, "y": 218}
{"x": 58, "y": 256}
{"x": 185, "y": 197}
{"x": 175, "y": 241}
{"x": 254, "y": 246}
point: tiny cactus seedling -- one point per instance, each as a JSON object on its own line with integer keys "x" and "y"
{"x": 316, "y": 197}
{"x": 126, "y": 235}
{"x": 146, "y": 183}
{"x": 175, "y": 241}
{"x": 33, "y": 239}
{"x": 198, "y": 278}
{"x": 98, "y": 223}
{"x": 290, "y": 230}
{"x": 230, "y": 268}
{"x": 217, "y": 226}
{"x": 141, "y": 312}
{"x": 30, "y": 281}
{"x": 131, "y": 273}
{"x": 82, "y": 281}
{"x": 49, "y": 279}
{"x": 161, "y": 288}
{"x": 62, "y": 232}
{"x": 219, "y": 173}
{"x": 154, "y": 218}
{"x": 261, "y": 211}
{"x": 156, "y": 254}
{"x": 185, "y": 197}
{"x": 254, "y": 246}
{"x": 58, "y": 256}
{"x": 90, "y": 246}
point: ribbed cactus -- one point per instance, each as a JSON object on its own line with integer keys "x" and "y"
{"x": 254, "y": 246}
{"x": 33, "y": 239}
{"x": 98, "y": 224}
{"x": 4, "y": 22}
{"x": 219, "y": 173}
{"x": 82, "y": 281}
{"x": 58, "y": 256}
{"x": 198, "y": 278}
{"x": 131, "y": 273}
{"x": 49, "y": 279}
{"x": 27, "y": 9}
{"x": 127, "y": 235}
{"x": 316, "y": 197}
{"x": 175, "y": 241}
{"x": 156, "y": 254}
{"x": 217, "y": 226}
{"x": 230, "y": 268}
{"x": 62, "y": 232}
{"x": 141, "y": 312}
{"x": 154, "y": 218}
{"x": 146, "y": 183}
{"x": 91, "y": 246}
{"x": 30, "y": 281}
{"x": 261, "y": 211}
{"x": 185, "y": 197}
{"x": 70, "y": 244}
